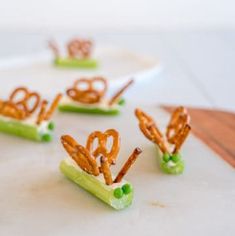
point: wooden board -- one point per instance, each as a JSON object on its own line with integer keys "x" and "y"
{"x": 216, "y": 129}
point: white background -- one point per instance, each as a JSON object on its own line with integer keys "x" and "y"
{"x": 46, "y": 15}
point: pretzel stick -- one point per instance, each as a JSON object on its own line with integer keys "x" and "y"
{"x": 181, "y": 138}
{"x": 127, "y": 165}
{"x": 106, "y": 170}
{"x": 41, "y": 114}
{"x": 53, "y": 46}
{"x": 117, "y": 95}
{"x": 53, "y": 107}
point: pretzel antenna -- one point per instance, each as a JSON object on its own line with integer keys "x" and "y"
{"x": 119, "y": 93}
{"x": 127, "y": 165}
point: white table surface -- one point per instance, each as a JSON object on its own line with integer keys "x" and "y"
{"x": 198, "y": 66}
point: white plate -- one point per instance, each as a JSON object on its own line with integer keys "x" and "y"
{"x": 36, "y": 199}
{"x": 38, "y": 72}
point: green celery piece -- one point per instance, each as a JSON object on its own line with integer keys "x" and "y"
{"x": 17, "y": 128}
{"x": 174, "y": 170}
{"x": 76, "y": 63}
{"x": 89, "y": 110}
{"x": 96, "y": 187}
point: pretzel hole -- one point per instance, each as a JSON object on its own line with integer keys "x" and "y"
{"x": 109, "y": 144}
{"x": 32, "y": 102}
{"x": 19, "y": 96}
{"x": 82, "y": 86}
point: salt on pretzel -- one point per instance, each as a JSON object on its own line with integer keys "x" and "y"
{"x": 119, "y": 93}
{"x": 150, "y": 129}
{"x": 127, "y": 165}
{"x": 102, "y": 149}
{"x": 90, "y": 94}
{"x": 80, "y": 155}
{"x": 79, "y": 48}
{"x": 178, "y": 121}
{"x": 23, "y": 101}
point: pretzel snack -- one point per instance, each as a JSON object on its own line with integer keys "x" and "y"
{"x": 23, "y": 102}
{"x": 106, "y": 170}
{"x": 127, "y": 165}
{"x": 177, "y": 122}
{"x": 150, "y": 130}
{"x": 89, "y": 94}
{"x": 117, "y": 95}
{"x": 79, "y": 48}
{"x": 77, "y": 152}
{"x": 181, "y": 138}
{"x": 101, "y": 149}
{"x": 42, "y": 112}
{"x": 53, "y": 107}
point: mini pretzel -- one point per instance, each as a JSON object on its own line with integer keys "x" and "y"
{"x": 117, "y": 95}
{"x": 80, "y": 155}
{"x": 106, "y": 170}
{"x": 53, "y": 106}
{"x": 150, "y": 130}
{"x": 23, "y": 102}
{"x": 42, "y": 111}
{"x": 178, "y": 120}
{"x": 89, "y": 94}
{"x": 79, "y": 48}
{"x": 101, "y": 149}
{"x": 11, "y": 110}
{"x": 127, "y": 165}
{"x": 181, "y": 136}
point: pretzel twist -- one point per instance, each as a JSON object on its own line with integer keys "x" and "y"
{"x": 80, "y": 155}
{"x": 150, "y": 130}
{"x": 178, "y": 121}
{"x": 101, "y": 149}
{"x": 79, "y": 48}
{"x": 176, "y": 133}
{"x": 24, "y": 101}
{"x": 89, "y": 94}
{"x": 11, "y": 110}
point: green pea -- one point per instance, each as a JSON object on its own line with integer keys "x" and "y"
{"x": 166, "y": 157}
{"x": 118, "y": 193}
{"x": 175, "y": 158}
{"x": 126, "y": 188}
{"x": 51, "y": 126}
{"x": 121, "y": 102}
{"x": 46, "y": 137}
